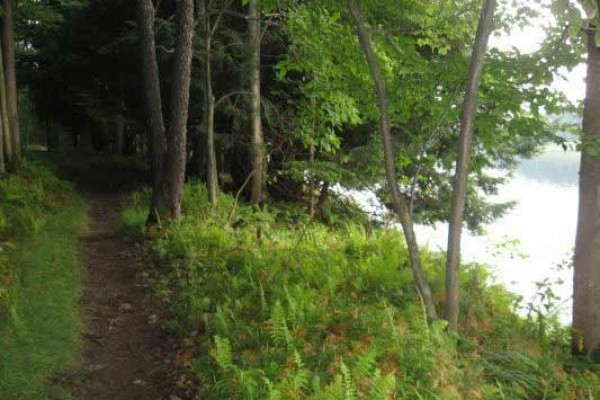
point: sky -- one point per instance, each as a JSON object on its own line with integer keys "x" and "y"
{"x": 528, "y": 40}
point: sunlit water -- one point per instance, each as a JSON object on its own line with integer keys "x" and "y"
{"x": 539, "y": 230}
{"x": 526, "y": 246}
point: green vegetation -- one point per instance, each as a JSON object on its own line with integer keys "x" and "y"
{"x": 40, "y": 274}
{"x": 284, "y": 103}
{"x": 314, "y": 312}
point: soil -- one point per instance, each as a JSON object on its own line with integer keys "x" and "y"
{"x": 124, "y": 349}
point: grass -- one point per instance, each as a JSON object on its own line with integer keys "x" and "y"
{"x": 315, "y": 312}
{"x": 40, "y": 319}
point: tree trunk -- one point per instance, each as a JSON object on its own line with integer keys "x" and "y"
{"x": 4, "y": 113}
{"x": 311, "y": 182}
{"x": 586, "y": 280}
{"x": 8, "y": 50}
{"x": 174, "y": 176}
{"x": 209, "y": 105}
{"x": 152, "y": 102}
{"x": 211, "y": 156}
{"x": 459, "y": 194}
{"x": 320, "y": 207}
{"x": 2, "y": 163}
{"x": 401, "y": 209}
{"x": 120, "y": 135}
{"x": 258, "y": 151}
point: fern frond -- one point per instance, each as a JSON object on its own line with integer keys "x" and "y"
{"x": 247, "y": 383}
{"x": 272, "y": 392}
{"x": 221, "y": 324}
{"x": 223, "y": 353}
{"x": 264, "y": 307}
{"x": 350, "y": 392}
{"x": 300, "y": 379}
{"x": 278, "y": 329}
{"x": 366, "y": 364}
{"x": 382, "y": 387}
{"x": 335, "y": 390}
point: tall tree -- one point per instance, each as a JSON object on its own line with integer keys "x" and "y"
{"x": 152, "y": 101}
{"x": 175, "y": 162}
{"x": 8, "y": 52}
{"x": 168, "y": 162}
{"x": 258, "y": 143}
{"x": 207, "y": 30}
{"x": 459, "y": 195}
{"x": 6, "y": 136}
{"x": 586, "y": 280}
{"x": 2, "y": 158}
{"x": 400, "y": 204}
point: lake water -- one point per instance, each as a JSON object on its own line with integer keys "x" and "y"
{"x": 528, "y": 244}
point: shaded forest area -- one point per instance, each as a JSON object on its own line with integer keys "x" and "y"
{"x": 246, "y": 121}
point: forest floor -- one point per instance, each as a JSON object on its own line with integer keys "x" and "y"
{"x": 124, "y": 344}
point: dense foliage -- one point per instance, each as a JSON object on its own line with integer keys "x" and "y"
{"x": 318, "y": 108}
{"x": 290, "y": 103}
{"x": 315, "y": 312}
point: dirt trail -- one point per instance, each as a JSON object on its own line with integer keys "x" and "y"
{"x": 123, "y": 340}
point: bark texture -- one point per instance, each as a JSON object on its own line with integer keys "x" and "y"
{"x": 152, "y": 102}
{"x": 208, "y": 103}
{"x": 258, "y": 145}
{"x": 401, "y": 208}
{"x": 459, "y": 194}
{"x": 2, "y": 162}
{"x": 6, "y": 136}
{"x": 174, "y": 172}
{"x": 586, "y": 279}
{"x": 8, "y": 50}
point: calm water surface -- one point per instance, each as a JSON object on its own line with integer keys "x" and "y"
{"x": 538, "y": 234}
{"x": 528, "y": 244}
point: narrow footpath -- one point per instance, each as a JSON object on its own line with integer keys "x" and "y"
{"x": 123, "y": 339}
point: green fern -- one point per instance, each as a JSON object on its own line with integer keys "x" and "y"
{"x": 514, "y": 369}
{"x": 221, "y": 323}
{"x": 272, "y": 392}
{"x": 264, "y": 307}
{"x": 350, "y": 392}
{"x": 389, "y": 311}
{"x": 366, "y": 365}
{"x": 223, "y": 353}
{"x": 292, "y": 314}
{"x": 247, "y": 383}
{"x": 335, "y": 390}
{"x": 278, "y": 329}
{"x": 301, "y": 377}
{"x": 382, "y": 387}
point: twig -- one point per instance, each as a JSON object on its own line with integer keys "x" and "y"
{"x": 237, "y": 196}
{"x": 225, "y": 97}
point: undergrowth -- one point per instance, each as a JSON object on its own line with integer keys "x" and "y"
{"x": 40, "y": 274}
{"x": 314, "y": 312}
